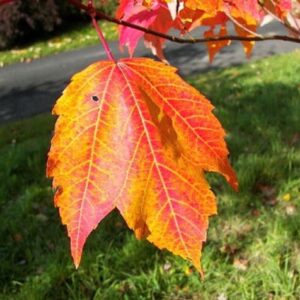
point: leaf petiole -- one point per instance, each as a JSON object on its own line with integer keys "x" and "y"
{"x": 92, "y": 13}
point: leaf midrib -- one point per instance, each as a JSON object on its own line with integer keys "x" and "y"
{"x": 154, "y": 157}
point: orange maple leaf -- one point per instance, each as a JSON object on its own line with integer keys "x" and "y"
{"x": 133, "y": 135}
{"x": 215, "y": 46}
{"x": 246, "y": 27}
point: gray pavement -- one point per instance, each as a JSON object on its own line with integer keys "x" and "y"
{"x": 27, "y": 89}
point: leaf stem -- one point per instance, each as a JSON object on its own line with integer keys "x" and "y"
{"x": 92, "y": 12}
{"x": 103, "y": 40}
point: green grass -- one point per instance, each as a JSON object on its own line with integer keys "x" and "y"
{"x": 75, "y": 37}
{"x": 253, "y": 248}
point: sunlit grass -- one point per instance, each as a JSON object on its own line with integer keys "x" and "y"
{"x": 253, "y": 248}
{"x": 76, "y": 37}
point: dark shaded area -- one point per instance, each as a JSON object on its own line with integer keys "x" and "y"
{"x": 24, "y": 22}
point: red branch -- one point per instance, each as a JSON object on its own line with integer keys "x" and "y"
{"x": 175, "y": 39}
{"x": 2, "y": 2}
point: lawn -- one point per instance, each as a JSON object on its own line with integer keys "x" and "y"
{"x": 253, "y": 247}
{"x": 74, "y": 36}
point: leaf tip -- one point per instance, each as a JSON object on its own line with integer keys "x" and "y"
{"x": 76, "y": 259}
{"x": 76, "y": 252}
{"x": 231, "y": 177}
{"x": 234, "y": 184}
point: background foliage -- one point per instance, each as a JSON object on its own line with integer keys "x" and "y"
{"x": 24, "y": 19}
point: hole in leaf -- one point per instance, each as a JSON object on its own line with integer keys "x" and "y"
{"x": 95, "y": 98}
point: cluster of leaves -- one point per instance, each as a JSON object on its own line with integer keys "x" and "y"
{"x": 185, "y": 16}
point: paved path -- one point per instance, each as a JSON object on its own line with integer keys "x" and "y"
{"x": 30, "y": 89}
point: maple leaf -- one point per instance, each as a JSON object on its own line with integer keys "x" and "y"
{"x": 156, "y": 43}
{"x": 147, "y": 15}
{"x": 251, "y": 7}
{"x": 280, "y": 8}
{"x": 135, "y": 13}
{"x": 210, "y": 7}
{"x": 133, "y": 135}
{"x": 215, "y": 46}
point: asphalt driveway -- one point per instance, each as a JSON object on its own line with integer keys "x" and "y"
{"x": 29, "y": 89}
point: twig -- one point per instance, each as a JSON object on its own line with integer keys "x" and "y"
{"x": 2, "y": 2}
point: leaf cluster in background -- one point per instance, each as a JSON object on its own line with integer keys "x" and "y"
{"x": 187, "y": 15}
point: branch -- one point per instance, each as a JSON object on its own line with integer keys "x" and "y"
{"x": 175, "y": 39}
{"x": 2, "y": 2}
